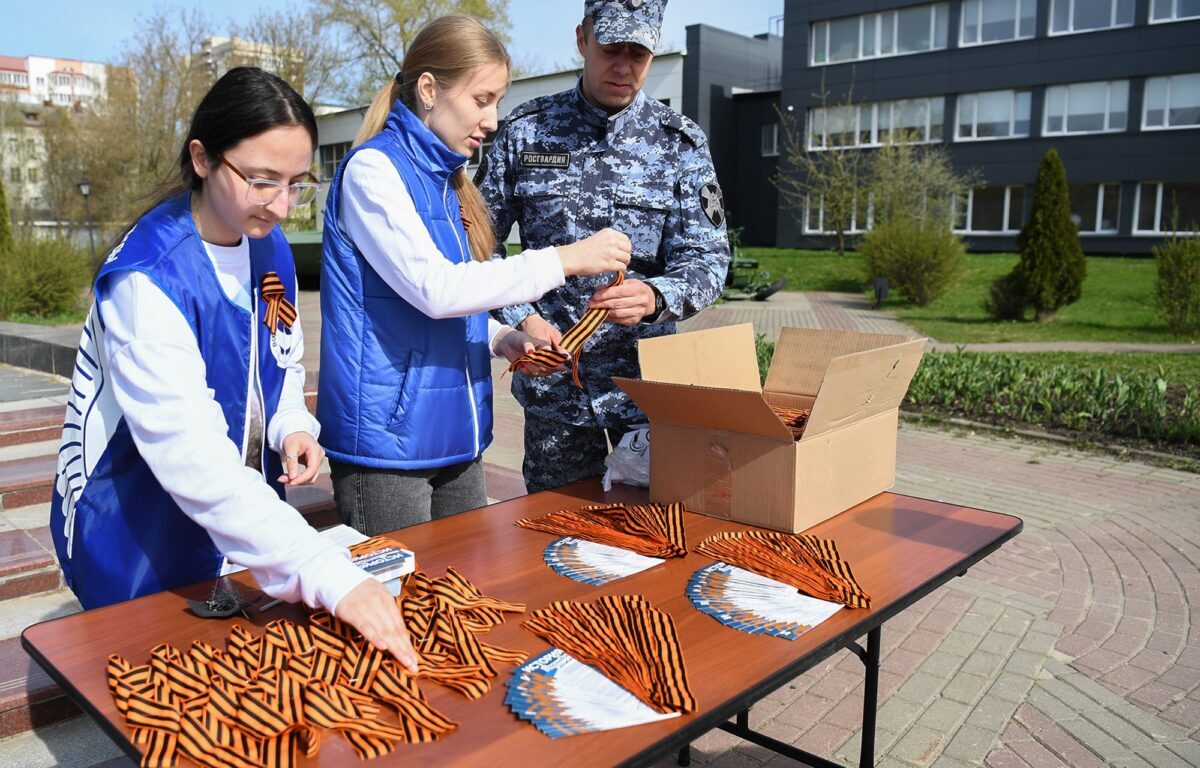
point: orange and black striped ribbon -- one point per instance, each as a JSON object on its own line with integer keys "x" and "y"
{"x": 653, "y": 530}
{"x": 266, "y": 699}
{"x": 628, "y": 640}
{"x": 810, "y": 564}
{"x": 279, "y": 308}
{"x": 794, "y": 419}
{"x": 572, "y": 341}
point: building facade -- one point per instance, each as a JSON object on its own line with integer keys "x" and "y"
{"x": 1112, "y": 85}
{"x": 29, "y": 86}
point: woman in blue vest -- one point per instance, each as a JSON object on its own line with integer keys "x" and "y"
{"x": 186, "y": 415}
{"x": 405, "y": 399}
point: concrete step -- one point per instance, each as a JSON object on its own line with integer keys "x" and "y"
{"x": 30, "y": 426}
{"x": 27, "y": 480}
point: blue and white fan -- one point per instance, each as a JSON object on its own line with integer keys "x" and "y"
{"x": 563, "y": 697}
{"x": 752, "y": 603}
{"x": 593, "y": 563}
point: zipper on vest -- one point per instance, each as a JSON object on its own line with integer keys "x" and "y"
{"x": 254, "y": 391}
{"x": 466, "y": 355}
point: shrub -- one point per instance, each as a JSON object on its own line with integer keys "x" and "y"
{"x": 42, "y": 277}
{"x": 1005, "y": 300}
{"x": 921, "y": 262}
{"x": 1052, "y": 268}
{"x": 1177, "y": 292}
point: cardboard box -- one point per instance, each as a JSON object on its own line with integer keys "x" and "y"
{"x": 716, "y": 445}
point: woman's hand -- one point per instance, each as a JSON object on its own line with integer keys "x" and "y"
{"x": 512, "y": 344}
{"x": 372, "y": 610}
{"x": 606, "y": 251}
{"x": 300, "y": 448}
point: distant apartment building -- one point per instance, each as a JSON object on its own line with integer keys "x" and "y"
{"x": 218, "y": 55}
{"x": 1112, "y": 85}
{"x": 28, "y": 86}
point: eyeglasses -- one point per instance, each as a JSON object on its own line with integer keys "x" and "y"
{"x": 266, "y": 191}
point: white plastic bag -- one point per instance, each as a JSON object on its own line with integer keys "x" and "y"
{"x": 629, "y": 462}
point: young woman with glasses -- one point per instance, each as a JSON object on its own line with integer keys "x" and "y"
{"x": 407, "y": 281}
{"x": 186, "y": 416}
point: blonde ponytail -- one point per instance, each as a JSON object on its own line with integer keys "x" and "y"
{"x": 377, "y": 113}
{"x": 481, "y": 236}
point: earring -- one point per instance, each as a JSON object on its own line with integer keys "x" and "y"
{"x": 429, "y": 105}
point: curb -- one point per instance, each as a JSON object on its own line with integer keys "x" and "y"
{"x": 1114, "y": 449}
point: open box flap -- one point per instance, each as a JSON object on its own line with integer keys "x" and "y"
{"x": 863, "y": 384}
{"x": 802, "y": 356}
{"x": 723, "y": 358}
{"x": 731, "y": 410}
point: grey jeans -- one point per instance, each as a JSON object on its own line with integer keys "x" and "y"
{"x": 376, "y": 501}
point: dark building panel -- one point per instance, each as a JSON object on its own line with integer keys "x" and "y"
{"x": 1129, "y": 54}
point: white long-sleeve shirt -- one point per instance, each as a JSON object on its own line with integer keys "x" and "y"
{"x": 378, "y": 214}
{"x": 158, "y": 380}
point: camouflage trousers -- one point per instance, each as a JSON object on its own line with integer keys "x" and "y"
{"x": 557, "y": 454}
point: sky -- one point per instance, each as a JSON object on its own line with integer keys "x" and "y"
{"x": 542, "y": 30}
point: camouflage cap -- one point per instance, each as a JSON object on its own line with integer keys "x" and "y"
{"x": 626, "y": 21}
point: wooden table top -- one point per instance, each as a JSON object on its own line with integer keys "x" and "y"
{"x": 900, "y": 548}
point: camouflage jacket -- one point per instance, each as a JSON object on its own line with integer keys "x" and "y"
{"x": 562, "y": 170}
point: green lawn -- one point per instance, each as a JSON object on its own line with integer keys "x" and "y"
{"x": 1117, "y": 303}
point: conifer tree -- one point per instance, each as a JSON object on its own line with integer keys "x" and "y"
{"x": 1051, "y": 271}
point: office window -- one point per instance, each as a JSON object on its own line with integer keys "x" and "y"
{"x": 1086, "y": 108}
{"x": 1172, "y": 102}
{"x": 996, "y": 21}
{"x": 916, "y": 29}
{"x": 1174, "y": 10}
{"x": 770, "y": 139}
{"x": 1095, "y": 208}
{"x": 1067, "y": 16}
{"x": 998, "y": 210}
{"x": 14, "y": 175}
{"x": 817, "y": 223}
{"x": 871, "y": 125}
{"x": 1157, "y": 202}
{"x": 331, "y": 157}
{"x": 993, "y": 115}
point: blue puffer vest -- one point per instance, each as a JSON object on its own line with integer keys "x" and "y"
{"x": 117, "y": 533}
{"x": 398, "y": 389}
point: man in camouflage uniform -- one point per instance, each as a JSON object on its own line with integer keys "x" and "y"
{"x": 568, "y": 165}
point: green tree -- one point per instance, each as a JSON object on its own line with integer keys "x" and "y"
{"x": 378, "y": 32}
{"x": 6, "y": 235}
{"x": 1051, "y": 271}
{"x": 826, "y": 180}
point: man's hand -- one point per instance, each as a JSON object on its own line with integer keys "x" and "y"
{"x": 372, "y": 610}
{"x": 626, "y": 303}
{"x": 300, "y": 448}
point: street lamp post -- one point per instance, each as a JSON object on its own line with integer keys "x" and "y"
{"x": 85, "y": 189}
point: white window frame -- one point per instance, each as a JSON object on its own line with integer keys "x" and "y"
{"x": 1158, "y": 206}
{"x": 1067, "y": 109}
{"x": 875, "y": 20}
{"x": 855, "y": 227}
{"x": 970, "y": 210}
{"x": 1174, "y": 13}
{"x": 1012, "y": 117}
{"x": 1097, "y": 231}
{"x": 876, "y": 109}
{"x": 1112, "y": 19}
{"x": 962, "y": 26}
{"x": 770, "y": 130}
{"x": 1166, "y": 108}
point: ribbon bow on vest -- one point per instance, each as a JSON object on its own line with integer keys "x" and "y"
{"x": 572, "y": 341}
{"x": 279, "y": 309}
